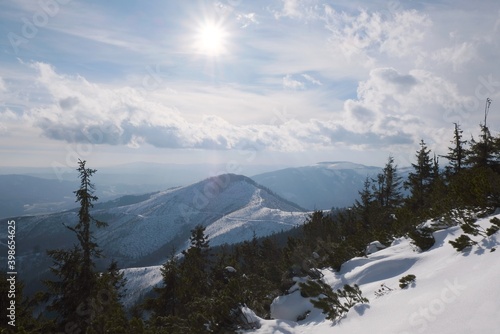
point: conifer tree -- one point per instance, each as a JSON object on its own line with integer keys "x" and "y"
{"x": 167, "y": 300}
{"x": 457, "y": 153}
{"x": 110, "y": 316}
{"x": 364, "y": 206}
{"x": 72, "y": 295}
{"x": 387, "y": 190}
{"x": 483, "y": 153}
{"x": 387, "y": 199}
{"x": 420, "y": 181}
{"x": 195, "y": 267}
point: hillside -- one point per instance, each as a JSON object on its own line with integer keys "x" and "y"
{"x": 320, "y": 186}
{"x": 233, "y": 208}
{"x": 453, "y": 292}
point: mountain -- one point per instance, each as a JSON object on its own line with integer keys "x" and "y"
{"x": 33, "y": 191}
{"x": 452, "y": 292}
{"x": 321, "y": 186}
{"x": 142, "y": 230}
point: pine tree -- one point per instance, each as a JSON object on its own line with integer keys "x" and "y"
{"x": 363, "y": 208}
{"x": 72, "y": 296}
{"x": 195, "y": 268}
{"x": 387, "y": 199}
{"x": 457, "y": 153}
{"x": 387, "y": 190}
{"x": 167, "y": 300}
{"x": 483, "y": 153}
{"x": 420, "y": 181}
{"x": 110, "y": 316}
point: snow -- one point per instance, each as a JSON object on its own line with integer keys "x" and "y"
{"x": 231, "y": 209}
{"x": 373, "y": 247}
{"x": 453, "y": 292}
{"x": 139, "y": 282}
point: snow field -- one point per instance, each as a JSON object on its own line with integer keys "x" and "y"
{"x": 453, "y": 292}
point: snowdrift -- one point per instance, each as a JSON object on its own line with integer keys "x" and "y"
{"x": 453, "y": 292}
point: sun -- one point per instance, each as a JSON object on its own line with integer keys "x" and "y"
{"x": 211, "y": 39}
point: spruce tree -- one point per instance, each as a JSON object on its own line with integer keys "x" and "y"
{"x": 420, "y": 180}
{"x": 483, "y": 153}
{"x": 457, "y": 153}
{"x": 387, "y": 199}
{"x": 195, "y": 270}
{"x": 168, "y": 296}
{"x": 363, "y": 208}
{"x": 387, "y": 190}
{"x": 72, "y": 295}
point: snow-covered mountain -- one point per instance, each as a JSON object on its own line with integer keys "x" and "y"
{"x": 142, "y": 230}
{"x": 320, "y": 186}
{"x": 453, "y": 292}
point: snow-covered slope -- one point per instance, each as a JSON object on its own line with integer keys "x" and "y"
{"x": 144, "y": 231}
{"x": 453, "y": 292}
{"x": 320, "y": 186}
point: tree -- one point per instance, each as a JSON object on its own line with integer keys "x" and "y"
{"x": 72, "y": 296}
{"x": 420, "y": 181}
{"x": 110, "y": 316}
{"x": 167, "y": 295}
{"x": 194, "y": 272}
{"x": 387, "y": 190}
{"x": 483, "y": 153}
{"x": 456, "y": 153}
{"x": 363, "y": 207}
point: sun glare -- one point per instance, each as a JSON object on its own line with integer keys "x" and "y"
{"x": 211, "y": 39}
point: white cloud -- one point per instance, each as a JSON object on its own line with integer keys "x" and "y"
{"x": 290, "y": 9}
{"x": 312, "y": 79}
{"x": 298, "y": 9}
{"x": 368, "y": 32}
{"x": 247, "y": 19}
{"x": 420, "y": 104}
{"x": 80, "y": 111}
{"x": 290, "y": 83}
{"x": 458, "y": 55}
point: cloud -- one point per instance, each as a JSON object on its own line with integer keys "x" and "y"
{"x": 302, "y": 10}
{"x": 400, "y": 106}
{"x": 458, "y": 55}
{"x": 368, "y": 32}
{"x": 68, "y": 102}
{"x": 290, "y": 83}
{"x": 291, "y": 8}
{"x": 389, "y": 76}
{"x": 85, "y": 112}
{"x": 311, "y": 79}
{"x": 247, "y": 19}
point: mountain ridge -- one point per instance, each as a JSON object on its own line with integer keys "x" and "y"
{"x": 232, "y": 207}
{"x": 321, "y": 186}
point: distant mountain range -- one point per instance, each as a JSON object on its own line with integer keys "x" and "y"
{"x": 142, "y": 230}
{"x": 321, "y": 186}
{"x": 33, "y": 191}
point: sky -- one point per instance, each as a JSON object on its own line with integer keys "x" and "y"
{"x": 243, "y": 82}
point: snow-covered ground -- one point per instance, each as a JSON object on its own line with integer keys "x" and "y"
{"x": 453, "y": 292}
